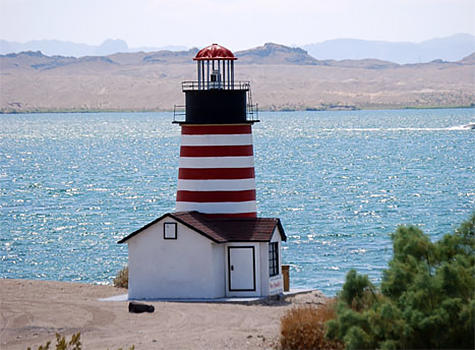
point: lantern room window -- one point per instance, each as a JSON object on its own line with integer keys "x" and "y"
{"x": 273, "y": 259}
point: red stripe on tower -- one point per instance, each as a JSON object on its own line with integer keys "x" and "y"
{"x": 215, "y": 151}
{"x": 216, "y": 196}
{"x": 240, "y": 215}
{"x": 216, "y": 174}
{"x": 215, "y": 129}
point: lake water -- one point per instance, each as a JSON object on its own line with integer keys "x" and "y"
{"x": 71, "y": 185}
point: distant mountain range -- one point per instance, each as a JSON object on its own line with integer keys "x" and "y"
{"x": 268, "y": 54}
{"x": 66, "y": 48}
{"x": 452, "y": 48}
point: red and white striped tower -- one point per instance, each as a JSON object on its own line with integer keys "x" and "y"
{"x": 216, "y": 168}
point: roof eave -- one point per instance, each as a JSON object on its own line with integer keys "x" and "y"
{"x": 177, "y": 218}
{"x": 126, "y": 238}
{"x": 194, "y": 228}
{"x": 283, "y": 236}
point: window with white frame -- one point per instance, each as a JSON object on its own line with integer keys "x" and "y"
{"x": 169, "y": 230}
{"x": 273, "y": 259}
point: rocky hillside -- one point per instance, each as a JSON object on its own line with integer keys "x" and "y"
{"x": 272, "y": 53}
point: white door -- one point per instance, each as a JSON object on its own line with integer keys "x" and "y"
{"x": 241, "y": 269}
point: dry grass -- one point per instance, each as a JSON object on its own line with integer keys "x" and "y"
{"x": 303, "y": 328}
{"x": 63, "y": 344}
{"x": 122, "y": 278}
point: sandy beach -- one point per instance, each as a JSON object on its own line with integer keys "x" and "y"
{"x": 33, "y": 311}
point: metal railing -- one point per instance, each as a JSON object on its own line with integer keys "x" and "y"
{"x": 179, "y": 113}
{"x": 252, "y": 114}
{"x": 191, "y": 85}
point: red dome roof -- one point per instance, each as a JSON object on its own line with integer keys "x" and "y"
{"x": 214, "y": 52}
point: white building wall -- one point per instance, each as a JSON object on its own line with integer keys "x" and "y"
{"x": 219, "y": 267}
{"x": 192, "y": 266}
{"x": 264, "y": 252}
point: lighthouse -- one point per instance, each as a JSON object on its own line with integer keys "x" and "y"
{"x": 213, "y": 245}
{"x": 216, "y": 174}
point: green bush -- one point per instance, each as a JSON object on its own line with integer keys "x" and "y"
{"x": 122, "y": 278}
{"x": 426, "y": 298}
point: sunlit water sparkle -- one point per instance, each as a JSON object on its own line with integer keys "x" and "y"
{"x": 71, "y": 185}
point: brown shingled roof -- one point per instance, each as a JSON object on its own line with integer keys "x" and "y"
{"x": 222, "y": 230}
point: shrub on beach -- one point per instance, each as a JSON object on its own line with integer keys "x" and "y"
{"x": 122, "y": 278}
{"x": 303, "y": 328}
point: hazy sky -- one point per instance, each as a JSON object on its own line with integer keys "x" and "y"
{"x": 237, "y": 24}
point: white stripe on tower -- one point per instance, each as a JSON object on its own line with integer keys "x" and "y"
{"x": 216, "y": 170}
{"x": 216, "y": 140}
{"x": 220, "y": 208}
{"x": 217, "y": 185}
{"x": 216, "y": 162}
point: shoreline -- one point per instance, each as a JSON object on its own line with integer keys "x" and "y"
{"x": 32, "y": 311}
{"x": 309, "y": 109}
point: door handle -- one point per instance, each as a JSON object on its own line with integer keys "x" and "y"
{"x": 232, "y": 267}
